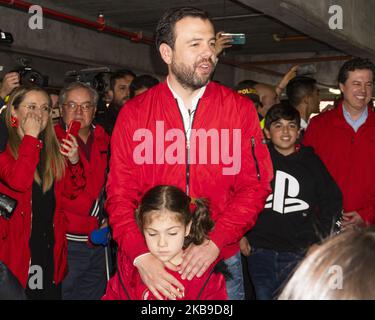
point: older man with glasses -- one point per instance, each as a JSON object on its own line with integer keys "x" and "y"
{"x": 86, "y": 261}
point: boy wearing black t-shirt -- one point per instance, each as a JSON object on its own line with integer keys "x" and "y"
{"x": 303, "y": 207}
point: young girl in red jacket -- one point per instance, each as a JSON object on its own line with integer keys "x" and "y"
{"x": 36, "y": 172}
{"x": 169, "y": 221}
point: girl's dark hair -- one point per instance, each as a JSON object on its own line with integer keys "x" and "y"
{"x": 175, "y": 200}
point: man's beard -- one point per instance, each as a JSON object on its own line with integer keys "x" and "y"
{"x": 118, "y": 103}
{"x": 187, "y": 77}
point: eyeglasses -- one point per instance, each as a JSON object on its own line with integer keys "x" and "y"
{"x": 45, "y": 109}
{"x": 72, "y": 106}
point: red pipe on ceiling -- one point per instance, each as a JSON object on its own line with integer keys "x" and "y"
{"x": 134, "y": 36}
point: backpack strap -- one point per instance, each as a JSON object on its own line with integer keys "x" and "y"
{"x": 205, "y": 284}
{"x": 121, "y": 282}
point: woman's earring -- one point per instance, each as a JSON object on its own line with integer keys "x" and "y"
{"x": 14, "y": 122}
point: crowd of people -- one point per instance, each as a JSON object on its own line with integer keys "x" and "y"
{"x": 187, "y": 189}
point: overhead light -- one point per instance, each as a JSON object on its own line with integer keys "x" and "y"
{"x": 335, "y": 91}
{"x": 6, "y": 37}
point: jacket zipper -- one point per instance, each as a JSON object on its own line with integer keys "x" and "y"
{"x": 254, "y": 157}
{"x": 188, "y": 157}
{"x": 187, "y": 141}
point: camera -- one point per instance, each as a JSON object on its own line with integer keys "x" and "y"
{"x": 7, "y": 206}
{"x": 28, "y": 75}
{"x": 6, "y": 37}
{"x": 96, "y": 78}
{"x": 32, "y": 77}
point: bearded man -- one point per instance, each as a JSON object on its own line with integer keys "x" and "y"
{"x": 211, "y": 119}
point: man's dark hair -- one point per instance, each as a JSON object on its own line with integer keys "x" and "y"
{"x": 246, "y": 83}
{"x": 166, "y": 25}
{"x": 247, "y": 88}
{"x": 298, "y": 88}
{"x": 119, "y": 74}
{"x": 282, "y": 111}
{"x": 354, "y": 64}
{"x": 143, "y": 81}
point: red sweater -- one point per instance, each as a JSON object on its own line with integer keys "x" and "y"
{"x": 16, "y": 179}
{"x": 214, "y": 289}
{"x": 349, "y": 157}
{"x": 236, "y": 199}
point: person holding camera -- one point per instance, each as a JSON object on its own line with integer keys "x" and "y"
{"x": 11, "y": 80}
{"x": 36, "y": 174}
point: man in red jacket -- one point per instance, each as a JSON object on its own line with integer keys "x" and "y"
{"x": 199, "y": 136}
{"x": 86, "y": 279}
{"x": 344, "y": 138}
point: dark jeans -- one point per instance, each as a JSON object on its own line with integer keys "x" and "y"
{"x": 235, "y": 288}
{"x": 86, "y": 279}
{"x": 269, "y": 270}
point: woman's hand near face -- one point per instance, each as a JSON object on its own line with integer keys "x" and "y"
{"x": 31, "y": 125}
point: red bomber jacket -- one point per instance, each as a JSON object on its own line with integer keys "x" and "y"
{"x": 16, "y": 179}
{"x": 225, "y": 161}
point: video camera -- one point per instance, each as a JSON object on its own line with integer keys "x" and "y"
{"x": 98, "y": 79}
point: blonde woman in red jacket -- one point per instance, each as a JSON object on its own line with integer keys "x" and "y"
{"x": 38, "y": 173}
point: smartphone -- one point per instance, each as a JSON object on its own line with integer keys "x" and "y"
{"x": 73, "y": 128}
{"x": 237, "y": 38}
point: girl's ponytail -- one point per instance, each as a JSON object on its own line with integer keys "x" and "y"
{"x": 202, "y": 222}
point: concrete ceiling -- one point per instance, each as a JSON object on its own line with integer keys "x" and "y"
{"x": 262, "y": 57}
{"x": 229, "y": 15}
